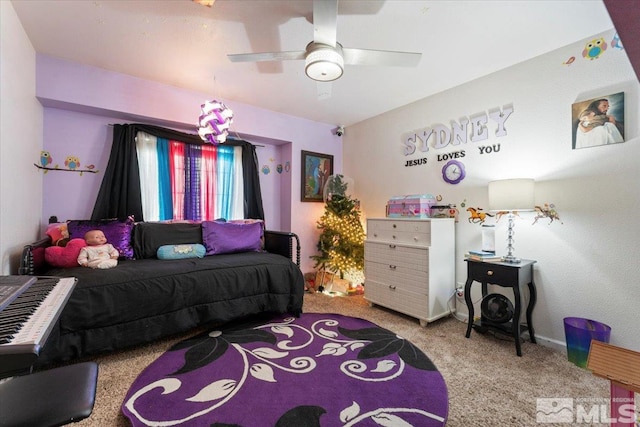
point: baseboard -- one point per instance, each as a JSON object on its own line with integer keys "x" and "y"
{"x": 460, "y": 316}
{"x": 551, "y": 343}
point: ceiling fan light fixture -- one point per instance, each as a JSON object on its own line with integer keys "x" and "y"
{"x": 207, "y": 3}
{"x": 324, "y": 64}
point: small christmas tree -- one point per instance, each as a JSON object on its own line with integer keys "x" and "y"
{"x": 341, "y": 243}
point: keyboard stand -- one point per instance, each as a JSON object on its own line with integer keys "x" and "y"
{"x": 49, "y": 398}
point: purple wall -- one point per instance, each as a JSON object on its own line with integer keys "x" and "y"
{"x": 80, "y": 102}
{"x": 66, "y": 133}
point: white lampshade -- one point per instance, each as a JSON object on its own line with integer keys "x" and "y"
{"x": 511, "y": 195}
{"x": 324, "y": 64}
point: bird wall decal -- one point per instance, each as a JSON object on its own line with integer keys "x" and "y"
{"x": 72, "y": 162}
{"x": 45, "y": 158}
{"x": 594, "y": 49}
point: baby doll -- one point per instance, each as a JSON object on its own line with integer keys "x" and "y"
{"x": 98, "y": 253}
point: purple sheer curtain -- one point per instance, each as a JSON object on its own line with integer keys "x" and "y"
{"x": 193, "y": 160}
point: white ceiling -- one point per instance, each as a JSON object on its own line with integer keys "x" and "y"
{"x": 185, "y": 44}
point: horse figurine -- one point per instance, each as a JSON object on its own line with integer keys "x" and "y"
{"x": 500, "y": 214}
{"x": 477, "y": 216}
{"x": 546, "y": 211}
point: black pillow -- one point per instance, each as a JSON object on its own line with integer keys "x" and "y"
{"x": 147, "y": 237}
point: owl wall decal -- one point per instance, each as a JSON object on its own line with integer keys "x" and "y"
{"x": 594, "y": 49}
{"x": 45, "y": 158}
{"x": 72, "y": 162}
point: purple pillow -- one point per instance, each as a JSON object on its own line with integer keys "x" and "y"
{"x": 117, "y": 232}
{"x": 227, "y": 237}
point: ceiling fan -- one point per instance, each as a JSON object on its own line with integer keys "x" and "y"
{"x": 207, "y": 3}
{"x": 324, "y": 57}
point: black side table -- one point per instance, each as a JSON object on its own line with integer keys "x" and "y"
{"x": 510, "y": 275}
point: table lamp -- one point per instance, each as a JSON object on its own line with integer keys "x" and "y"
{"x": 511, "y": 196}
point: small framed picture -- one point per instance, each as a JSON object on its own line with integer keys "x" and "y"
{"x": 598, "y": 121}
{"x": 316, "y": 170}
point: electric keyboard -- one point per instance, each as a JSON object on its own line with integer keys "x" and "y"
{"x": 28, "y": 319}
{"x": 11, "y": 287}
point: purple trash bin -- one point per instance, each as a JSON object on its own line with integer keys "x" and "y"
{"x": 579, "y": 332}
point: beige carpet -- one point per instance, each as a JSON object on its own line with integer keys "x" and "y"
{"x": 488, "y": 384}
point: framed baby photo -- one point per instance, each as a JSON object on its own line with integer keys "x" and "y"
{"x": 316, "y": 170}
{"x": 598, "y": 121}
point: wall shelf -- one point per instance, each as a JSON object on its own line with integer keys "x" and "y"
{"x": 80, "y": 171}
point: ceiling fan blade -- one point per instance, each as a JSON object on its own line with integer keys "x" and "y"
{"x": 324, "y": 90}
{"x": 380, "y": 57}
{"x": 325, "y": 21}
{"x": 266, "y": 56}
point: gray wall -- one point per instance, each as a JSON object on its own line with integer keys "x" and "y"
{"x": 587, "y": 265}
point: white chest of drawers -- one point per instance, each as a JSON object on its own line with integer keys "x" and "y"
{"x": 409, "y": 266}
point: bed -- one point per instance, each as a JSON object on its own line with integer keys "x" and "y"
{"x": 145, "y": 299}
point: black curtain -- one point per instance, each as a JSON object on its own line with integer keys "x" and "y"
{"x": 252, "y": 193}
{"x": 119, "y": 195}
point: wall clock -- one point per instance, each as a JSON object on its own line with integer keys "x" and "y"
{"x": 453, "y": 172}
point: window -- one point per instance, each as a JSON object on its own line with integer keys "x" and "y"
{"x": 167, "y": 169}
{"x": 189, "y": 182}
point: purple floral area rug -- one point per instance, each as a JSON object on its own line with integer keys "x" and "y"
{"x": 315, "y": 370}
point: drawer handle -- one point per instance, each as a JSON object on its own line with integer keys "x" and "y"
{"x": 394, "y": 226}
{"x": 394, "y": 236}
{"x": 375, "y": 235}
{"x": 415, "y": 238}
{"x": 392, "y": 246}
{"x": 392, "y": 267}
{"x": 490, "y": 273}
{"x": 392, "y": 287}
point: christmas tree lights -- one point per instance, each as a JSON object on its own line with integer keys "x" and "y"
{"x": 341, "y": 242}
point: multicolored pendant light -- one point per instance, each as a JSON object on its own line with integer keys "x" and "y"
{"x": 214, "y": 122}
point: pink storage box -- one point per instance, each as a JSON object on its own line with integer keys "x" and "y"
{"x": 411, "y": 206}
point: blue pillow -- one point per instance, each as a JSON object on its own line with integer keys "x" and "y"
{"x": 191, "y": 250}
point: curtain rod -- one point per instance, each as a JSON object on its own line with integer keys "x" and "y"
{"x": 238, "y": 137}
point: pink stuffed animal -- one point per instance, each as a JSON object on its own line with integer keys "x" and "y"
{"x": 65, "y": 257}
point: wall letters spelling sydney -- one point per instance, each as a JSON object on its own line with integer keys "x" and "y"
{"x": 472, "y": 128}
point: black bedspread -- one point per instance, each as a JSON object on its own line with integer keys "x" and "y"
{"x": 142, "y": 300}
